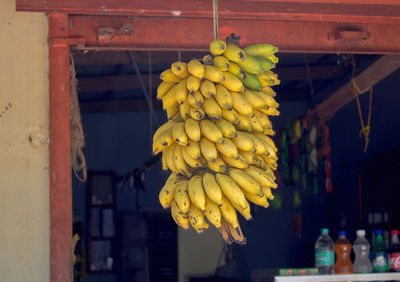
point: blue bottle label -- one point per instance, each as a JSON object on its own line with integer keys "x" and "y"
{"x": 324, "y": 258}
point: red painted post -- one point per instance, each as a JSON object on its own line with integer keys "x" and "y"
{"x": 60, "y": 173}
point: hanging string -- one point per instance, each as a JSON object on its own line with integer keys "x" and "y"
{"x": 309, "y": 75}
{"x": 179, "y": 56}
{"x": 215, "y": 18}
{"x": 150, "y": 98}
{"x": 365, "y": 129}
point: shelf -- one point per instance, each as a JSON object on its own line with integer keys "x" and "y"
{"x": 340, "y": 277}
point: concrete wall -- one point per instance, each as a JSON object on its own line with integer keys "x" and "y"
{"x": 24, "y": 173}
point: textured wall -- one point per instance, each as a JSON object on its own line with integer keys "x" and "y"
{"x": 24, "y": 153}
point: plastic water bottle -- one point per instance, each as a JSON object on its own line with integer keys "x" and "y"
{"x": 394, "y": 251}
{"x": 342, "y": 247}
{"x": 324, "y": 255}
{"x": 379, "y": 255}
{"x": 361, "y": 247}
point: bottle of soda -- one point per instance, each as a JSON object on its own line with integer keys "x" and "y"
{"x": 394, "y": 251}
{"x": 342, "y": 247}
{"x": 361, "y": 247}
{"x": 324, "y": 255}
{"x": 379, "y": 255}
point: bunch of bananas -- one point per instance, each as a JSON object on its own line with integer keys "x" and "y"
{"x": 217, "y": 140}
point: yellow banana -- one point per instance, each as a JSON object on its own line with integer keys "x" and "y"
{"x": 192, "y": 129}
{"x": 243, "y": 211}
{"x": 191, "y": 161}
{"x": 180, "y": 163}
{"x": 250, "y": 157}
{"x": 217, "y": 47}
{"x": 236, "y": 70}
{"x": 243, "y": 142}
{"x": 196, "y": 219}
{"x": 264, "y": 50}
{"x": 179, "y": 134}
{"x": 230, "y": 115}
{"x": 179, "y": 217}
{"x": 196, "y": 192}
{"x": 163, "y": 140}
{"x": 245, "y": 181}
{"x": 164, "y": 160}
{"x": 265, "y": 63}
{"x": 227, "y": 129}
{"x": 269, "y": 141}
{"x": 228, "y": 149}
{"x": 208, "y": 149}
{"x": 207, "y": 60}
{"x": 223, "y": 97}
{"x": 212, "y": 188}
{"x": 181, "y": 91}
{"x": 169, "y": 76}
{"x": 207, "y": 88}
{"x": 232, "y": 82}
{"x": 221, "y": 62}
{"x": 172, "y": 111}
{"x": 273, "y": 58}
{"x": 235, "y": 234}
{"x": 268, "y": 100}
{"x": 230, "y": 189}
{"x": 237, "y": 163}
{"x": 217, "y": 166}
{"x": 263, "y": 119}
{"x": 182, "y": 197}
{"x": 212, "y": 213}
{"x": 268, "y": 90}
{"x": 267, "y": 192}
{"x": 255, "y": 99}
{"x": 271, "y": 112}
{"x": 180, "y": 69}
{"x": 234, "y": 53}
{"x": 212, "y": 109}
{"x": 241, "y": 105}
{"x": 163, "y": 88}
{"x": 254, "y": 198}
{"x": 193, "y": 84}
{"x": 244, "y": 123}
{"x": 166, "y": 195}
{"x": 261, "y": 149}
{"x": 197, "y": 113}
{"x": 271, "y": 163}
{"x": 269, "y": 144}
{"x": 265, "y": 80}
{"x": 261, "y": 176}
{"x": 228, "y": 212}
{"x": 169, "y": 154}
{"x": 169, "y": 99}
{"x": 251, "y": 65}
{"x": 193, "y": 150}
{"x": 256, "y": 124}
{"x": 213, "y": 74}
{"x": 196, "y": 68}
{"x": 184, "y": 109}
{"x": 211, "y": 131}
{"x": 199, "y": 99}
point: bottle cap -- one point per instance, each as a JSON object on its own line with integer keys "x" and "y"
{"x": 342, "y": 233}
{"x": 378, "y": 232}
{"x": 394, "y": 232}
{"x": 324, "y": 231}
{"x": 361, "y": 232}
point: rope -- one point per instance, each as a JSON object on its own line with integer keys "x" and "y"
{"x": 215, "y": 18}
{"x": 150, "y": 99}
{"x": 309, "y": 75}
{"x": 77, "y": 139}
{"x": 179, "y": 56}
{"x": 365, "y": 129}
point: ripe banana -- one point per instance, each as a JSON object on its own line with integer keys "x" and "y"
{"x": 207, "y": 88}
{"x": 207, "y": 60}
{"x": 232, "y": 82}
{"x": 166, "y": 195}
{"x": 269, "y": 141}
{"x": 180, "y": 163}
{"x": 196, "y": 192}
{"x": 228, "y": 212}
{"x": 221, "y": 62}
{"x": 267, "y": 192}
{"x": 196, "y": 219}
{"x": 169, "y": 99}
{"x": 164, "y": 160}
{"x": 208, "y": 149}
{"x": 251, "y": 65}
{"x": 235, "y": 234}
{"x": 162, "y": 140}
{"x": 184, "y": 109}
{"x": 245, "y": 181}
{"x": 169, "y": 76}
{"x": 196, "y": 68}
{"x": 223, "y": 97}
{"x": 211, "y": 131}
{"x": 236, "y": 70}
{"x": 191, "y": 161}
{"x": 182, "y": 197}
{"x": 256, "y": 124}
{"x": 243, "y": 142}
{"x": 192, "y": 129}
{"x": 193, "y": 150}
{"x": 197, "y": 113}
{"x": 213, "y": 73}
{"x": 180, "y": 69}
{"x": 230, "y": 189}
{"x": 179, "y": 134}
{"x": 264, "y": 50}
{"x": 261, "y": 176}
{"x": 181, "y": 91}
{"x": 172, "y": 111}
{"x": 163, "y": 88}
{"x": 250, "y": 157}
{"x": 193, "y": 84}
{"x": 241, "y": 105}
{"x": 227, "y": 129}
{"x": 230, "y": 115}
{"x": 244, "y": 123}
{"x": 217, "y": 166}
{"x": 217, "y": 47}
{"x": 237, "y": 163}
{"x": 212, "y": 188}
{"x": 261, "y": 201}
{"x": 212, "y": 213}
{"x": 212, "y": 109}
{"x": 228, "y": 149}
{"x": 169, "y": 154}
{"x": 179, "y": 217}
{"x": 273, "y": 58}
{"x": 255, "y": 99}
{"x": 261, "y": 149}
{"x": 243, "y": 211}
{"x": 234, "y": 53}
